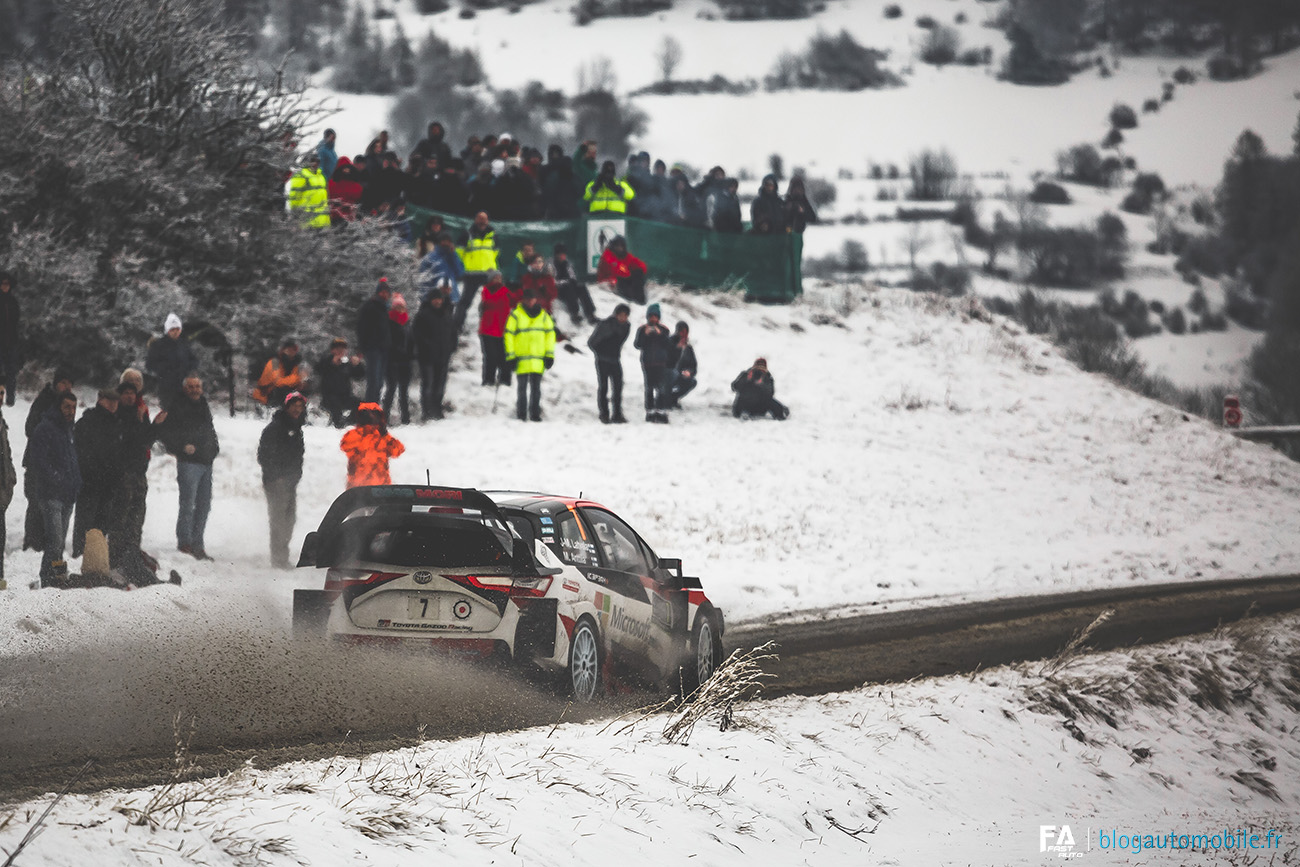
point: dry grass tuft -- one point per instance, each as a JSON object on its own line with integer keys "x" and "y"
{"x": 739, "y": 679}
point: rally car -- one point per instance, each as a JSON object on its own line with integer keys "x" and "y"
{"x": 560, "y": 586}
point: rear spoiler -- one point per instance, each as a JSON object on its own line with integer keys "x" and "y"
{"x": 354, "y": 500}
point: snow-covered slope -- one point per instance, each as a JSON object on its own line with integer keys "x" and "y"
{"x": 930, "y": 455}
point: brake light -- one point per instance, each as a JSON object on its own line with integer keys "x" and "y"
{"x": 337, "y": 579}
{"x": 531, "y": 587}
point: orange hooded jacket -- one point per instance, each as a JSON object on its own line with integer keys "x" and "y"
{"x": 368, "y": 449}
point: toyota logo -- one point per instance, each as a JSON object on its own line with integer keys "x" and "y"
{"x": 461, "y": 609}
{"x": 423, "y": 577}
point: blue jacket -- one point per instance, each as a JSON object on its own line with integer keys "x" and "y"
{"x": 329, "y": 158}
{"x": 438, "y": 267}
{"x": 53, "y": 458}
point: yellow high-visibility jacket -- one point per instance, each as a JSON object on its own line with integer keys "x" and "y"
{"x": 530, "y": 340}
{"x": 480, "y": 254}
{"x": 603, "y": 200}
{"x": 309, "y": 193}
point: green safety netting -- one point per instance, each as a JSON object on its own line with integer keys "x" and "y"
{"x": 766, "y": 267}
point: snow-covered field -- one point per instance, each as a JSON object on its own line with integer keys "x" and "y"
{"x": 1174, "y": 741}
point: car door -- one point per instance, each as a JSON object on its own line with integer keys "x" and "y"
{"x": 625, "y": 572}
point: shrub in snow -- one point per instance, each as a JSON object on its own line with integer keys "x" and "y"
{"x": 1244, "y": 307}
{"x": 1183, "y": 75}
{"x": 1167, "y": 92}
{"x": 854, "y": 256}
{"x": 381, "y": 11}
{"x": 893, "y": 10}
{"x": 959, "y": 18}
{"x": 925, "y": 22}
{"x": 1123, "y": 117}
{"x": 754, "y": 10}
{"x": 831, "y": 63}
{"x": 468, "y": 12}
{"x": 1198, "y": 303}
{"x": 431, "y": 7}
{"x": 976, "y": 56}
{"x": 820, "y": 192}
{"x": 1226, "y": 67}
{"x": 1113, "y": 139}
{"x": 1071, "y": 257}
{"x": 1147, "y": 188}
{"x": 934, "y": 175}
{"x": 1175, "y": 321}
{"x": 949, "y": 280}
{"x": 1150, "y": 106}
{"x": 1084, "y": 164}
{"x": 940, "y": 46}
{"x": 1026, "y": 64}
{"x": 1214, "y": 322}
{"x": 1204, "y": 254}
{"x": 1048, "y": 193}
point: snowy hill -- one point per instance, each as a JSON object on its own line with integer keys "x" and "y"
{"x": 930, "y": 455}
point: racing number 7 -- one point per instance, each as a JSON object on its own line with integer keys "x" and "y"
{"x": 424, "y": 607}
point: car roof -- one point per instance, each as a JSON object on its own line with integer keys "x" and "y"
{"x": 525, "y": 499}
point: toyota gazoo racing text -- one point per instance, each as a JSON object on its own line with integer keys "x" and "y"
{"x": 561, "y": 586}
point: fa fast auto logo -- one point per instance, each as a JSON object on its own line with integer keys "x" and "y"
{"x": 1058, "y": 840}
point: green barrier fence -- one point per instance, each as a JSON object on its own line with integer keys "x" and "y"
{"x": 766, "y": 267}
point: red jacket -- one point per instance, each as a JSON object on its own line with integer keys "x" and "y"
{"x": 345, "y": 194}
{"x": 613, "y": 268}
{"x": 495, "y": 306}
{"x": 544, "y": 285}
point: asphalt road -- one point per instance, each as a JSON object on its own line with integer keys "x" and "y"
{"x": 276, "y": 700}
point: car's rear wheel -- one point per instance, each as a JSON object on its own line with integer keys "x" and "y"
{"x": 705, "y": 655}
{"x": 584, "y": 662}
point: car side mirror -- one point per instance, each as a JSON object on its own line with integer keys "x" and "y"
{"x": 309, "y": 546}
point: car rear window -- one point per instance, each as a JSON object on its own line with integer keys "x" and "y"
{"x": 424, "y": 542}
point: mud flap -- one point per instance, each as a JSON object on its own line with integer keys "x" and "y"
{"x": 311, "y": 611}
{"x": 535, "y": 634}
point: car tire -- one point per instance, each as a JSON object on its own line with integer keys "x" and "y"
{"x": 704, "y": 654}
{"x": 585, "y": 658}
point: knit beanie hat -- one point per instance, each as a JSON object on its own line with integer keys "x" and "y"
{"x": 173, "y": 321}
{"x": 134, "y": 378}
{"x": 652, "y": 310}
{"x": 760, "y": 363}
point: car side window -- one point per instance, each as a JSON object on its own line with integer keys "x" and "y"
{"x": 570, "y": 542}
{"x": 620, "y": 546}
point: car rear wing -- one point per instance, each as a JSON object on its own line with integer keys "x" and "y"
{"x": 395, "y": 498}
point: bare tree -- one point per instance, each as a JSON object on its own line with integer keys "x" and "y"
{"x": 597, "y": 76}
{"x": 915, "y": 242}
{"x": 669, "y": 57}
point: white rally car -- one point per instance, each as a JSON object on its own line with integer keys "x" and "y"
{"x": 555, "y": 584}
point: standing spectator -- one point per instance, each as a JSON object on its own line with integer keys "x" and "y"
{"x": 124, "y": 541}
{"x": 798, "y": 210}
{"x": 624, "y": 271}
{"x": 170, "y": 359}
{"x": 482, "y": 188}
{"x": 434, "y": 145}
{"x": 479, "y": 256}
{"x": 420, "y": 173}
{"x": 606, "y": 344}
{"x": 53, "y": 458}
{"x": 281, "y": 375}
{"x": 518, "y": 197}
{"x": 472, "y": 153}
{"x": 8, "y": 482}
{"x": 571, "y": 290}
{"x": 309, "y": 193}
{"x": 714, "y": 180}
{"x": 435, "y": 341}
{"x": 682, "y": 365}
{"x": 400, "y": 355}
{"x": 187, "y": 431}
{"x": 98, "y": 437}
{"x": 441, "y": 271}
{"x": 335, "y": 373}
{"x": 279, "y": 453}
{"x": 584, "y": 164}
{"x": 46, "y": 399}
{"x": 639, "y": 179}
{"x": 530, "y": 347}
{"x": 767, "y": 211}
{"x": 428, "y": 240}
{"x": 326, "y": 155}
{"x": 722, "y": 208}
{"x": 607, "y": 194}
{"x": 450, "y": 194}
{"x": 494, "y": 307}
{"x": 560, "y": 191}
{"x": 684, "y": 208}
{"x": 369, "y": 446}
{"x": 653, "y": 341}
{"x": 10, "y": 359}
{"x": 657, "y": 203}
{"x": 539, "y": 278}
{"x": 755, "y": 390}
{"x": 375, "y": 338}
{"x": 519, "y": 266}
{"x": 345, "y": 191}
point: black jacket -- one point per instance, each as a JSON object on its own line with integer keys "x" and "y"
{"x": 280, "y": 450}
{"x": 753, "y": 387}
{"x": 98, "y": 437}
{"x": 372, "y": 325}
{"x": 189, "y": 422}
{"x": 607, "y": 339}
{"x": 335, "y": 381}
{"x": 682, "y": 358}
{"x": 450, "y": 195}
{"x": 8, "y": 320}
{"x": 401, "y": 350}
{"x": 798, "y": 212}
{"x": 653, "y": 341}
{"x": 170, "y": 361}
{"x": 434, "y": 333}
{"x": 53, "y": 458}
{"x": 768, "y": 210}
{"x": 723, "y": 212}
{"x": 137, "y": 439}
